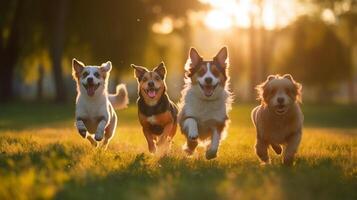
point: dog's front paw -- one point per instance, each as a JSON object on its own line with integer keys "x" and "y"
{"x": 288, "y": 161}
{"x": 210, "y": 154}
{"x": 99, "y": 136}
{"x": 152, "y": 149}
{"x": 192, "y": 135}
{"x": 189, "y": 151}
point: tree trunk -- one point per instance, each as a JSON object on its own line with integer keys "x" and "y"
{"x": 9, "y": 54}
{"x": 57, "y": 46}
{"x": 253, "y": 59}
{"x": 40, "y": 82}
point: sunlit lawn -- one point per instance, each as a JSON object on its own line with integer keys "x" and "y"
{"x": 42, "y": 157}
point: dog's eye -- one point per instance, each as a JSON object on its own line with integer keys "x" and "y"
{"x": 85, "y": 74}
{"x": 96, "y": 74}
{"x": 145, "y": 79}
{"x": 157, "y": 78}
{"x": 273, "y": 91}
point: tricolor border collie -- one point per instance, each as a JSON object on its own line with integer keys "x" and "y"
{"x": 205, "y": 103}
{"x": 95, "y": 112}
{"x": 157, "y": 113}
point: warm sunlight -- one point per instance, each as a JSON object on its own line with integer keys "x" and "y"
{"x": 165, "y": 26}
{"x": 216, "y": 19}
{"x": 271, "y": 14}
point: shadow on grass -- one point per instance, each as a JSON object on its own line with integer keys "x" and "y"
{"x": 181, "y": 178}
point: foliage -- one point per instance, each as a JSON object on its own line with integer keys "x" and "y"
{"x": 316, "y": 56}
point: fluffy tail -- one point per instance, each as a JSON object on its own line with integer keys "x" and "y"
{"x": 120, "y": 99}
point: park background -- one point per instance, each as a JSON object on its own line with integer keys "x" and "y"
{"x": 313, "y": 40}
{"x": 42, "y": 156}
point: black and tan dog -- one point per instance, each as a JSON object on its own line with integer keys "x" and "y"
{"x": 157, "y": 113}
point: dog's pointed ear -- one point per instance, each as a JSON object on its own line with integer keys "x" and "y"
{"x": 106, "y": 67}
{"x": 222, "y": 56}
{"x": 139, "y": 71}
{"x": 161, "y": 70}
{"x": 194, "y": 57}
{"x": 77, "y": 66}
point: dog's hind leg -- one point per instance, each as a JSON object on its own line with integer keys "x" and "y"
{"x": 92, "y": 140}
{"x": 99, "y": 134}
{"x": 167, "y": 134}
{"x": 190, "y": 146}
{"x": 277, "y": 148}
{"x": 291, "y": 149}
{"x": 109, "y": 132}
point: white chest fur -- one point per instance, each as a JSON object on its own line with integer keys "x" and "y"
{"x": 92, "y": 108}
{"x": 151, "y": 119}
{"x": 205, "y": 110}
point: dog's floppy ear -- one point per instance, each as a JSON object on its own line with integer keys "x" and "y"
{"x": 297, "y": 89}
{"x": 106, "y": 67}
{"x": 270, "y": 77}
{"x": 77, "y": 68}
{"x": 161, "y": 70}
{"x": 262, "y": 90}
{"x": 288, "y": 76}
{"x": 139, "y": 71}
{"x": 222, "y": 56}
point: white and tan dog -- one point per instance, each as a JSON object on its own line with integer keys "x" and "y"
{"x": 206, "y": 101}
{"x": 278, "y": 120}
{"x": 95, "y": 112}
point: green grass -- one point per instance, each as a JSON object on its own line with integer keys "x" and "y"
{"x": 42, "y": 157}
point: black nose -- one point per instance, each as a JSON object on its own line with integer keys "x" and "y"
{"x": 208, "y": 80}
{"x": 151, "y": 84}
{"x": 280, "y": 100}
{"x": 90, "y": 80}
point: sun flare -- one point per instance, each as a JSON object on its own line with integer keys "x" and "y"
{"x": 226, "y": 14}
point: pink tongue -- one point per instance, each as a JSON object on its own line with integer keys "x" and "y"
{"x": 90, "y": 90}
{"x": 152, "y": 93}
{"x": 208, "y": 90}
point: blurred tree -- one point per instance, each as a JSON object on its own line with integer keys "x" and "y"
{"x": 343, "y": 14}
{"x": 10, "y": 30}
{"x": 58, "y": 17}
{"x": 107, "y": 30}
{"x": 317, "y": 57}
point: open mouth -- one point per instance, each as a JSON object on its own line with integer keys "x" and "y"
{"x": 208, "y": 89}
{"x": 152, "y": 92}
{"x": 280, "y": 109}
{"x": 91, "y": 88}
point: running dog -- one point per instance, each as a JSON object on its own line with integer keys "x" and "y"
{"x": 278, "y": 120}
{"x": 95, "y": 112}
{"x": 157, "y": 113}
{"x": 205, "y": 103}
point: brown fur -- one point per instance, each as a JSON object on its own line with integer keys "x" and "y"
{"x": 158, "y": 115}
{"x": 278, "y": 128}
